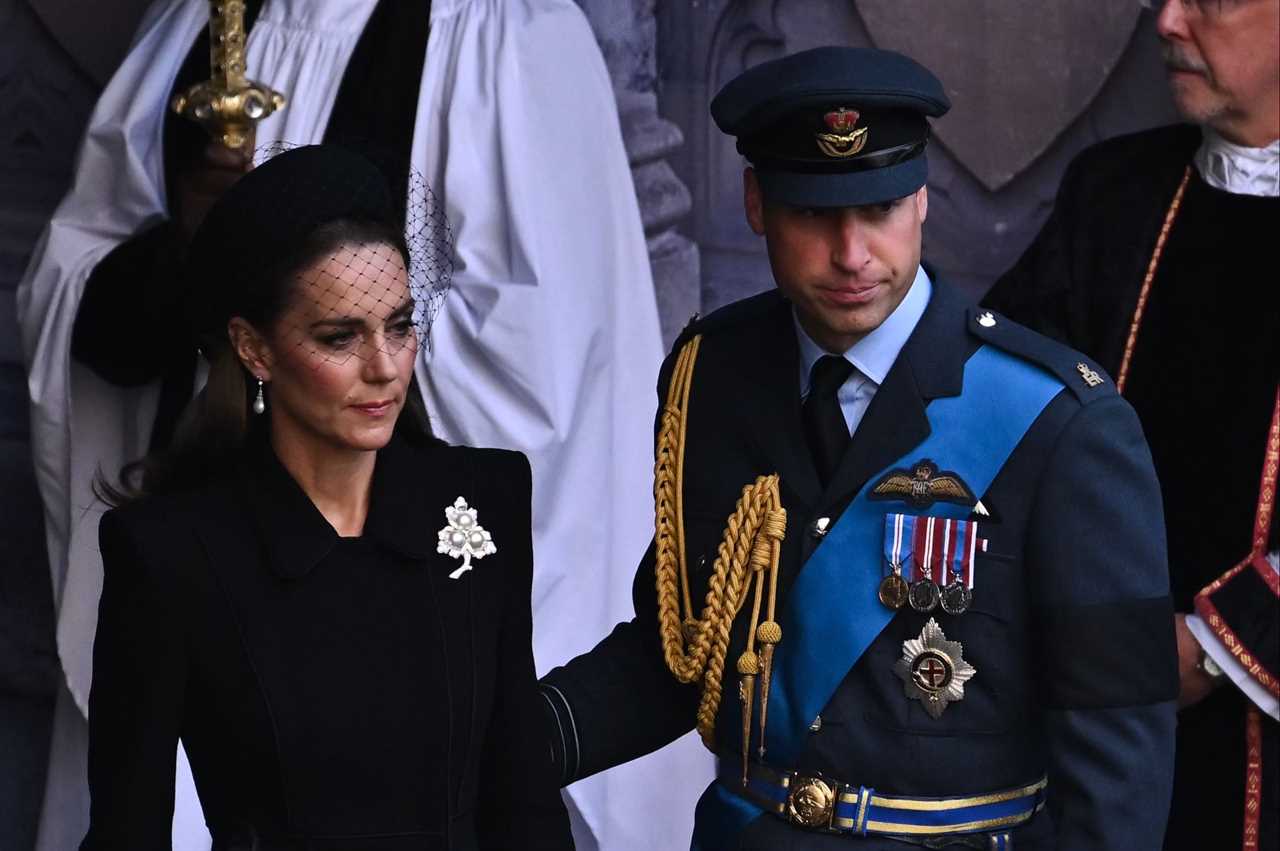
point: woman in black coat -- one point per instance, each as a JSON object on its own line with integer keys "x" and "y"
{"x": 329, "y": 607}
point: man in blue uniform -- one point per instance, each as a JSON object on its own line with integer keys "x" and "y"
{"x": 908, "y": 576}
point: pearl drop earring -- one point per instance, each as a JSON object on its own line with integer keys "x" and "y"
{"x": 259, "y": 403}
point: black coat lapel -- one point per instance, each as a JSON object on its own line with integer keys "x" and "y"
{"x": 930, "y": 365}
{"x": 770, "y": 402}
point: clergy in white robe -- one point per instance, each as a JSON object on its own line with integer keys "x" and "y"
{"x": 548, "y": 343}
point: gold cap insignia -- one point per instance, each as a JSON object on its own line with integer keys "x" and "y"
{"x": 923, "y": 485}
{"x": 933, "y": 670}
{"x": 843, "y": 140}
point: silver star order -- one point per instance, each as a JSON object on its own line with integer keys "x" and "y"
{"x": 464, "y": 537}
{"x": 933, "y": 669}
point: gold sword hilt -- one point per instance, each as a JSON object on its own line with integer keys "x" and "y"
{"x": 228, "y": 105}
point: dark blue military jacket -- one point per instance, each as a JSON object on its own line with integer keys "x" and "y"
{"x": 1070, "y": 628}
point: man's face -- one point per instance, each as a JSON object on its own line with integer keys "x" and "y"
{"x": 1223, "y": 59}
{"x": 844, "y": 268}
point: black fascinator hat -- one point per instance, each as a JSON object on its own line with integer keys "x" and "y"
{"x": 260, "y": 228}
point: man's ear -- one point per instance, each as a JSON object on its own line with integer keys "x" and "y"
{"x": 922, "y": 203}
{"x": 753, "y": 201}
{"x": 250, "y": 347}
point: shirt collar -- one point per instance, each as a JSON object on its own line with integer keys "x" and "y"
{"x": 1236, "y": 169}
{"x": 875, "y": 353}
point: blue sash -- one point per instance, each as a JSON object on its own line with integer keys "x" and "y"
{"x": 832, "y": 613}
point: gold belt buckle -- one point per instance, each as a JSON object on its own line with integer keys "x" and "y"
{"x": 811, "y": 801}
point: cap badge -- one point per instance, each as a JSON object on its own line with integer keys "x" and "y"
{"x": 843, "y": 140}
{"x": 464, "y": 537}
{"x": 933, "y": 670}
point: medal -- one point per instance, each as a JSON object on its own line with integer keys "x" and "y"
{"x": 898, "y": 531}
{"x": 956, "y": 598}
{"x": 924, "y": 595}
{"x": 938, "y": 553}
{"x": 926, "y": 547}
{"x": 933, "y": 670}
{"x": 958, "y": 594}
{"x": 894, "y": 590}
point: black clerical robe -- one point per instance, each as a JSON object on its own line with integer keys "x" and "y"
{"x": 1203, "y": 378}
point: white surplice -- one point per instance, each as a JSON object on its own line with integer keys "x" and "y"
{"x": 548, "y": 343}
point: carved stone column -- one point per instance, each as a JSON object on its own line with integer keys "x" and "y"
{"x": 627, "y": 33}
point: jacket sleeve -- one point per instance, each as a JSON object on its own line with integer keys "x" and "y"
{"x": 136, "y": 702}
{"x": 1108, "y": 667}
{"x": 521, "y": 808}
{"x": 137, "y": 284}
{"x": 618, "y": 701}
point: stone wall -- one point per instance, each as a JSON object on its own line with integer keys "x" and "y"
{"x": 627, "y": 33}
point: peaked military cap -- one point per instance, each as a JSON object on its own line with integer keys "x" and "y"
{"x": 833, "y": 126}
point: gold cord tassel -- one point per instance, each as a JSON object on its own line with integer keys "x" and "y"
{"x": 694, "y": 646}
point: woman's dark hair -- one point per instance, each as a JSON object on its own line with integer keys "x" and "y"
{"x": 215, "y": 427}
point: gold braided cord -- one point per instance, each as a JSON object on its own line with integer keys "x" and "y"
{"x": 1139, "y": 311}
{"x": 694, "y": 648}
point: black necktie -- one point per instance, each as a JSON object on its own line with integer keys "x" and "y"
{"x": 824, "y": 425}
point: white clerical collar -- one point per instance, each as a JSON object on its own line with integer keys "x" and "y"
{"x": 875, "y": 353}
{"x": 1239, "y": 170}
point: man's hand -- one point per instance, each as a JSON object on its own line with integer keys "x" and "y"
{"x": 1195, "y": 683}
{"x": 204, "y": 182}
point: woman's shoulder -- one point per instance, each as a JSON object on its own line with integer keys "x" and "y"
{"x": 433, "y": 477}
{"x": 449, "y": 460}
{"x": 164, "y": 524}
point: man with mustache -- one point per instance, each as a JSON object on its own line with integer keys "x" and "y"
{"x": 1158, "y": 262}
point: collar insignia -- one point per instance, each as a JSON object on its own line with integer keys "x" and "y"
{"x": 843, "y": 140}
{"x": 1090, "y": 376}
{"x": 933, "y": 670}
{"x": 923, "y": 485}
{"x": 464, "y": 537}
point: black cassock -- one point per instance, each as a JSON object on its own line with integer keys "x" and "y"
{"x": 1203, "y": 380}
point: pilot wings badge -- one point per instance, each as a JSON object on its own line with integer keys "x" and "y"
{"x": 933, "y": 670}
{"x": 464, "y": 537}
{"x": 922, "y": 486}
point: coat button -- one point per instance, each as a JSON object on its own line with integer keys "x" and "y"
{"x": 818, "y": 528}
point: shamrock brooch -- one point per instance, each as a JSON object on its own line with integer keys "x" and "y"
{"x": 464, "y": 537}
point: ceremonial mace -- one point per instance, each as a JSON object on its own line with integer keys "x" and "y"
{"x": 228, "y": 105}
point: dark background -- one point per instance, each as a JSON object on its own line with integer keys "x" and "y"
{"x": 1031, "y": 83}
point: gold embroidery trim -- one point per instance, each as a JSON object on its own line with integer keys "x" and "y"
{"x": 1123, "y": 375}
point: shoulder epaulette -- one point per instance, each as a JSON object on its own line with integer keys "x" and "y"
{"x": 729, "y": 315}
{"x": 1080, "y": 374}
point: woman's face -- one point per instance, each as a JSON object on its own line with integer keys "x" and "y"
{"x": 341, "y": 356}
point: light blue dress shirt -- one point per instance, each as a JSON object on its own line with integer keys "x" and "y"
{"x": 872, "y": 356}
